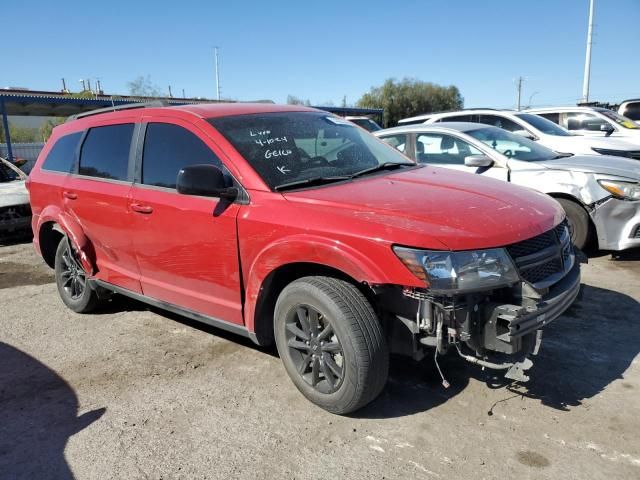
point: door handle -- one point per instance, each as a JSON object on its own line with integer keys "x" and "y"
{"x": 70, "y": 195}
{"x": 136, "y": 207}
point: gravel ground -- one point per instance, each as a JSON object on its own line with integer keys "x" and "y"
{"x": 133, "y": 392}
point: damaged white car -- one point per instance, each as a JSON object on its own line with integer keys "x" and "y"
{"x": 600, "y": 194}
{"x": 15, "y": 211}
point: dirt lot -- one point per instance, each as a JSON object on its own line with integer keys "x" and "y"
{"x": 136, "y": 393}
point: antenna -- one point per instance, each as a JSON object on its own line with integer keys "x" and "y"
{"x": 217, "y": 74}
{"x": 587, "y": 60}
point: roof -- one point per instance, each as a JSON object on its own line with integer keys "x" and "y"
{"x": 562, "y": 109}
{"x": 427, "y": 116}
{"x": 212, "y": 110}
{"x": 459, "y": 126}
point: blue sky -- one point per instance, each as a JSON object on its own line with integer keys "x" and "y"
{"x": 323, "y": 50}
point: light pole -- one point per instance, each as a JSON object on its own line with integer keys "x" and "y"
{"x": 587, "y": 61}
{"x": 217, "y": 75}
{"x": 531, "y": 96}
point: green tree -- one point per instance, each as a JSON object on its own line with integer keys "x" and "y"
{"x": 409, "y": 97}
{"x": 293, "y": 100}
{"x": 143, "y": 87}
{"x": 47, "y": 127}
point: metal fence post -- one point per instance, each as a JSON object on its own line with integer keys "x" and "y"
{"x": 5, "y": 126}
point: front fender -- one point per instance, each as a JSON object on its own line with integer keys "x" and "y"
{"x": 70, "y": 226}
{"x": 319, "y": 250}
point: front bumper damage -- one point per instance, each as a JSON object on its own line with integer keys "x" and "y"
{"x": 498, "y": 330}
{"x": 617, "y": 224}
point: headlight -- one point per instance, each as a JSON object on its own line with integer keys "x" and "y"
{"x": 457, "y": 272}
{"x": 622, "y": 190}
{"x": 615, "y": 153}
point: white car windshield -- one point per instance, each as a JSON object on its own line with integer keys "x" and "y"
{"x": 512, "y": 146}
{"x": 619, "y": 119}
{"x": 544, "y": 125}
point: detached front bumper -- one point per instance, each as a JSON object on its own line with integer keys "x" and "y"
{"x": 507, "y": 325}
{"x": 617, "y": 223}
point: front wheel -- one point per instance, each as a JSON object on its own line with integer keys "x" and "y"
{"x": 579, "y": 225}
{"x": 71, "y": 280}
{"x": 331, "y": 343}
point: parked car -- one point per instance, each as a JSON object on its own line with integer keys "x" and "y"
{"x": 600, "y": 194}
{"x": 630, "y": 109}
{"x": 288, "y": 224}
{"x": 537, "y": 128}
{"x": 366, "y": 123}
{"x": 594, "y": 121}
{"x": 15, "y": 212}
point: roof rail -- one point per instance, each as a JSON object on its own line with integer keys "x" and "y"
{"x": 128, "y": 106}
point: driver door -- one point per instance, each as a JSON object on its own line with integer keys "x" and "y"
{"x": 449, "y": 151}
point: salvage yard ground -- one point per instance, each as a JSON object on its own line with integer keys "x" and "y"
{"x": 132, "y": 392}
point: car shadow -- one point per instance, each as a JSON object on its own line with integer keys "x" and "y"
{"x": 38, "y": 414}
{"x": 582, "y": 352}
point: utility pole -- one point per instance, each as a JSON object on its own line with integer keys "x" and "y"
{"x": 89, "y": 84}
{"x": 217, "y": 75}
{"x": 170, "y": 94}
{"x": 587, "y": 61}
{"x": 183, "y": 93}
{"x": 520, "y": 80}
{"x": 64, "y": 86}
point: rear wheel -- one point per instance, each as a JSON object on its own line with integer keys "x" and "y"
{"x": 71, "y": 280}
{"x": 331, "y": 343}
{"x": 579, "y": 225}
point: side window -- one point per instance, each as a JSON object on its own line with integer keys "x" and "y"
{"x": 437, "y": 148}
{"x": 398, "y": 142}
{"x": 61, "y": 157}
{"x": 632, "y": 111}
{"x": 105, "y": 152}
{"x": 554, "y": 117}
{"x": 169, "y": 148}
{"x": 459, "y": 118}
{"x": 500, "y": 122}
{"x": 584, "y": 121}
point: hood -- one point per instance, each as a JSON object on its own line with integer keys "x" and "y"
{"x": 602, "y": 164}
{"x": 583, "y": 144}
{"x": 432, "y": 207}
{"x": 13, "y": 193}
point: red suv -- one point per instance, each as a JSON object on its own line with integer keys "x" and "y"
{"x": 289, "y": 224}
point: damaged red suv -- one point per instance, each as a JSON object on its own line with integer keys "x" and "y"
{"x": 290, "y": 225}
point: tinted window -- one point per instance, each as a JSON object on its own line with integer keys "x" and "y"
{"x": 169, "y": 148}
{"x": 459, "y": 118}
{"x": 443, "y": 149}
{"x": 554, "y": 117}
{"x": 632, "y": 111}
{"x": 105, "y": 152}
{"x": 62, "y": 155}
{"x": 500, "y": 122}
{"x": 543, "y": 124}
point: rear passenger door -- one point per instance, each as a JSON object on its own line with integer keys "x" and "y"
{"x": 97, "y": 196}
{"x": 186, "y": 245}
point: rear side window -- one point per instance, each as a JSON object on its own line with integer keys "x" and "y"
{"x": 460, "y": 118}
{"x": 105, "y": 152}
{"x": 61, "y": 157}
{"x": 500, "y": 122}
{"x": 169, "y": 148}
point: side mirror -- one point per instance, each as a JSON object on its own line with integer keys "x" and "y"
{"x": 607, "y": 129}
{"x": 525, "y": 134}
{"x": 206, "y": 180}
{"x": 477, "y": 161}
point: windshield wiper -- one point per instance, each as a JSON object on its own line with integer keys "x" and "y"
{"x": 382, "y": 166}
{"x": 307, "y": 182}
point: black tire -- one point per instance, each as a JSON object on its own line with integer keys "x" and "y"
{"x": 71, "y": 280}
{"x": 355, "y": 343}
{"x": 579, "y": 223}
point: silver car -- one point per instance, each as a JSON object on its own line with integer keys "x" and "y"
{"x": 15, "y": 212}
{"x": 599, "y": 193}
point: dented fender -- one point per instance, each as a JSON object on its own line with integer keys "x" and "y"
{"x": 70, "y": 226}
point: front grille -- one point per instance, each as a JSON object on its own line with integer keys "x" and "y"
{"x": 635, "y": 233}
{"x": 544, "y": 257}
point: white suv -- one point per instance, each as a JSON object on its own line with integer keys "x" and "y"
{"x": 537, "y": 128}
{"x": 593, "y": 121}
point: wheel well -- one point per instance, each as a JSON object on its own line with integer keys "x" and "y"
{"x": 593, "y": 240}
{"x": 277, "y": 280}
{"x": 49, "y": 238}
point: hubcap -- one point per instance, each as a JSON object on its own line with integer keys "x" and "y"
{"x": 315, "y": 349}
{"x": 74, "y": 279}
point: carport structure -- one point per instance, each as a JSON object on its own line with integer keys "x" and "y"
{"x": 58, "y": 104}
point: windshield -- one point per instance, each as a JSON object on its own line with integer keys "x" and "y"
{"x": 544, "y": 125}
{"x": 292, "y": 147}
{"x": 7, "y": 174}
{"x": 619, "y": 119}
{"x": 511, "y": 145}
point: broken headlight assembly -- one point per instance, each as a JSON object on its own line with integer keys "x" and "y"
{"x": 621, "y": 190}
{"x": 460, "y": 272}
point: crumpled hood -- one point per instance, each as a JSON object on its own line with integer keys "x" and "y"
{"x": 602, "y": 164}
{"x": 13, "y": 193}
{"x": 432, "y": 207}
